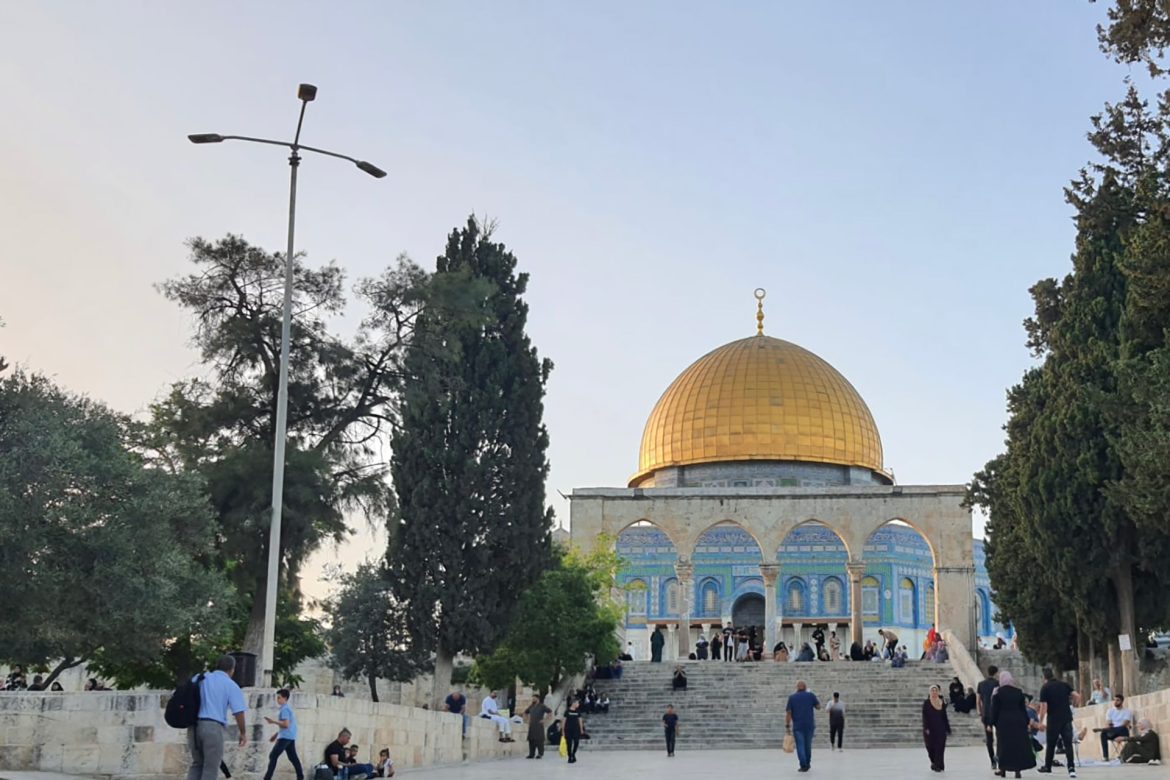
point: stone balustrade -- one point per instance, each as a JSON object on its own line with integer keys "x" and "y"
{"x": 123, "y": 735}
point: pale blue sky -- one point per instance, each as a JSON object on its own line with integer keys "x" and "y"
{"x": 890, "y": 172}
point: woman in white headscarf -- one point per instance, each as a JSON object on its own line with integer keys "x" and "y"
{"x": 1009, "y": 715}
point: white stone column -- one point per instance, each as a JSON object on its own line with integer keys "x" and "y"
{"x": 797, "y": 638}
{"x": 671, "y": 642}
{"x": 685, "y": 571}
{"x": 770, "y": 572}
{"x": 856, "y": 570}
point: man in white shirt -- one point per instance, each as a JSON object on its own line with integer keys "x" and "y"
{"x": 1119, "y": 718}
{"x": 490, "y": 710}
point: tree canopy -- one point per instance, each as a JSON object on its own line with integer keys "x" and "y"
{"x": 368, "y": 635}
{"x": 468, "y": 460}
{"x": 563, "y": 617}
{"x": 76, "y": 503}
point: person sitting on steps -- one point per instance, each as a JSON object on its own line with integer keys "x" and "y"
{"x": 679, "y": 681}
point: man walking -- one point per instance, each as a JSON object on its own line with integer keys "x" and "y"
{"x": 800, "y": 721}
{"x": 218, "y": 693}
{"x": 1057, "y": 698}
{"x": 536, "y": 713}
{"x": 983, "y": 706}
{"x": 670, "y": 725}
{"x": 285, "y": 738}
{"x": 836, "y": 721}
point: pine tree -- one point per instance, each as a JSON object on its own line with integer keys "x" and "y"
{"x": 468, "y": 461}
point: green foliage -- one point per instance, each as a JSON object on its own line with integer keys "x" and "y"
{"x": 76, "y": 504}
{"x": 468, "y": 462}
{"x": 565, "y": 616}
{"x": 1078, "y": 530}
{"x": 341, "y": 404}
{"x": 368, "y": 636}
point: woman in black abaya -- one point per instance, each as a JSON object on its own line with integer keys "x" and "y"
{"x": 1009, "y": 715}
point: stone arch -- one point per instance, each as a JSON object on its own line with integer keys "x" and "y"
{"x": 899, "y": 552}
{"x": 812, "y": 523}
{"x": 672, "y": 534}
{"x": 865, "y": 531}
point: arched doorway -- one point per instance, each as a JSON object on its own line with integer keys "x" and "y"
{"x": 748, "y": 610}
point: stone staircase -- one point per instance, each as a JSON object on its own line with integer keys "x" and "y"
{"x": 741, "y": 705}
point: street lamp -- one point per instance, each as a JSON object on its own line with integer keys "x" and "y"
{"x": 306, "y": 93}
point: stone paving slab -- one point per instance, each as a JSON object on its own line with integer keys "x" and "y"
{"x": 964, "y": 763}
{"x": 6, "y": 775}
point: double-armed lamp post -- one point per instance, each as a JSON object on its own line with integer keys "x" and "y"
{"x": 306, "y": 93}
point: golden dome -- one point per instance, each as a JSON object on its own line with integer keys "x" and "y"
{"x": 759, "y": 398}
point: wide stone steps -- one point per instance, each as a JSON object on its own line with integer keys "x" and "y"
{"x": 741, "y": 705}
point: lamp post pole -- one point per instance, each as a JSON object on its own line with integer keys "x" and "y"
{"x": 306, "y": 93}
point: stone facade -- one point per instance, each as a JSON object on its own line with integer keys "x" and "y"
{"x": 123, "y": 735}
{"x": 854, "y": 514}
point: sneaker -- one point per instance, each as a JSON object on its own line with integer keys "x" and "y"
{"x": 1047, "y": 770}
{"x": 1072, "y": 773}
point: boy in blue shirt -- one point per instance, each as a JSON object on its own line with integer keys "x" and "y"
{"x": 285, "y": 738}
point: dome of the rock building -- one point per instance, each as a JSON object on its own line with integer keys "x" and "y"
{"x": 761, "y": 400}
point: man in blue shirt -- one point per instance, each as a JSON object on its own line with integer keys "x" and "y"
{"x": 800, "y": 721}
{"x": 285, "y": 738}
{"x": 218, "y": 693}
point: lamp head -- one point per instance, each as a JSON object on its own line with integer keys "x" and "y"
{"x": 371, "y": 169}
{"x": 307, "y": 93}
{"x": 205, "y": 138}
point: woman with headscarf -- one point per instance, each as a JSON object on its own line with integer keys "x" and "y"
{"x": 955, "y": 691}
{"x": 1009, "y": 715}
{"x": 935, "y": 728}
{"x": 806, "y": 653}
{"x": 780, "y": 652}
{"x": 856, "y": 653}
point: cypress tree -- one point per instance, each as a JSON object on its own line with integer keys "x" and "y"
{"x": 468, "y": 461}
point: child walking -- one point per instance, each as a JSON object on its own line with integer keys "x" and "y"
{"x": 670, "y": 724}
{"x": 285, "y": 738}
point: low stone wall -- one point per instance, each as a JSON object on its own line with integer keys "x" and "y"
{"x": 1155, "y": 706}
{"x": 123, "y": 735}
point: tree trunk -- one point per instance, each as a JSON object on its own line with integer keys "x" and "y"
{"x": 1123, "y": 584}
{"x": 1114, "y": 665}
{"x": 373, "y": 687}
{"x": 66, "y": 663}
{"x": 254, "y": 636}
{"x": 1084, "y": 663}
{"x": 444, "y": 663}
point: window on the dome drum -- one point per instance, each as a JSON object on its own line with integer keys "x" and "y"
{"x": 710, "y": 599}
{"x": 869, "y": 596}
{"x": 672, "y": 595}
{"x": 832, "y": 597}
{"x": 906, "y": 604}
{"x": 795, "y": 597}
{"x": 636, "y": 597}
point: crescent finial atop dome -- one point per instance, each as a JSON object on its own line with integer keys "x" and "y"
{"x": 760, "y": 293}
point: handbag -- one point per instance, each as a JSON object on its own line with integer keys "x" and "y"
{"x": 564, "y": 748}
{"x": 789, "y": 743}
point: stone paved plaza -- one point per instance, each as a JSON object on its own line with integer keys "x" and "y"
{"x": 962, "y": 764}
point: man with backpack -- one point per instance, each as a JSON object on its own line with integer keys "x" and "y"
{"x": 218, "y": 693}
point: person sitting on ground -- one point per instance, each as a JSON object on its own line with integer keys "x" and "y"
{"x": 1119, "y": 718}
{"x": 898, "y": 660}
{"x": 628, "y": 655}
{"x": 870, "y": 650}
{"x": 780, "y": 652}
{"x": 701, "y": 645}
{"x": 385, "y": 766}
{"x": 554, "y": 733}
{"x": 679, "y": 681}
{"x": 955, "y": 693}
{"x": 806, "y": 654}
{"x": 352, "y": 768}
{"x": 603, "y": 704}
{"x": 855, "y": 652}
{"x": 967, "y": 702}
{"x": 615, "y": 669}
{"x": 1143, "y": 748}
{"x": 337, "y": 755}
{"x": 941, "y": 654}
{"x": 1100, "y": 694}
{"x": 823, "y": 655}
{"x": 489, "y": 710}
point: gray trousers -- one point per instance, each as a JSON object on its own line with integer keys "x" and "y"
{"x": 205, "y": 743}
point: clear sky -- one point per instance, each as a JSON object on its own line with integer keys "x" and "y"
{"x": 892, "y": 173}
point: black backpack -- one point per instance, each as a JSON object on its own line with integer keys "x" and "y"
{"x": 183, "y": 708}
